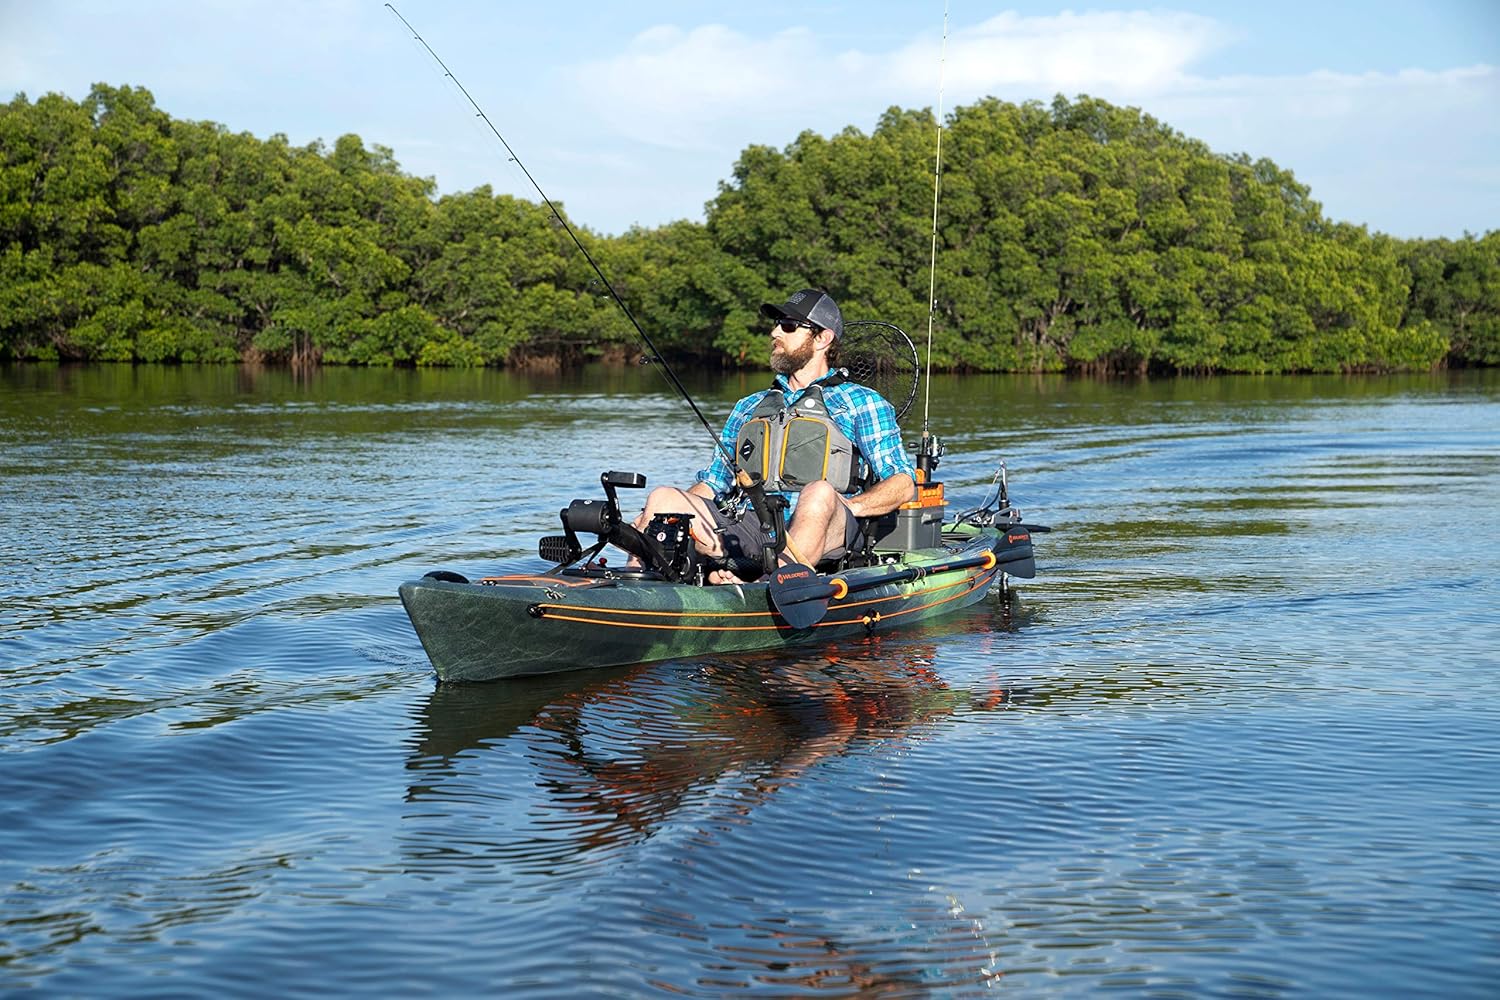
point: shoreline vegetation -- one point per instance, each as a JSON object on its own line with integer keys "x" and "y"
{"x": 1075, "y": 237}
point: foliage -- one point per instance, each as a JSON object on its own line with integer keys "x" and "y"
{"x": 1456, "y": 293}
{"x": 1077, "y": 236}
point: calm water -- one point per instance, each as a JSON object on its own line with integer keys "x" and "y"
{"x": 1238, "y": 737}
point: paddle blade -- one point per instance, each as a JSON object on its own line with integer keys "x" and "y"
{"x": 1014, "y": 553}
{"x": 800, "y": 595}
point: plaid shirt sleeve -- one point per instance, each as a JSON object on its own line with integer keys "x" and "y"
{"x": 870, "y": 422}
{"x": 718, "y": 474}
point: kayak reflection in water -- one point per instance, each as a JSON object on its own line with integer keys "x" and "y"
{"x": 618, "y": 758}
{"x": 813, "y": 433}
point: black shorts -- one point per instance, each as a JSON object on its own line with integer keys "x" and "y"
{"x": 743, "y": 539}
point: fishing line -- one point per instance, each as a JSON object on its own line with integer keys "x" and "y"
{"x": 937, "y": 172}
{"x": 656, "y": 355}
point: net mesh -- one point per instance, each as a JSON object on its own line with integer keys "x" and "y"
{"x": 881, "y": 356}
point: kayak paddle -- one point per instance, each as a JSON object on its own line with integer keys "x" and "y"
{"x": 801, "y": 595}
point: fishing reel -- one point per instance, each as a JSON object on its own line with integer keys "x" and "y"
{"x": 929, "y": 452}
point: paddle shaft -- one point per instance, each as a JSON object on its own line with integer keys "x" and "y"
{"x": 833, "y": 588}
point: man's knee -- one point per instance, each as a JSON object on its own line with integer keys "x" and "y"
{"x": 819, "y": 488}
{"x": 663, "y": 494}
{"x": 663, "y": 499}
{"x": 668, "y": 499}
{"x": 671, "y": 500}
{"x": 819, "y": 498}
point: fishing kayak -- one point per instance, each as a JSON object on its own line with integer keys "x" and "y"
{"x": 913, "y": 563}
{"x": 592, "y": 616}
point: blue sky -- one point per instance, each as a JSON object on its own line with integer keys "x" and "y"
{"x": 632, "y": 113}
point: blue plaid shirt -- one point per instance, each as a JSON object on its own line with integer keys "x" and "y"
{"x": 859, "y": 411}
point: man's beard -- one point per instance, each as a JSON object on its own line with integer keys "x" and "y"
{"x": 787, "y": 362}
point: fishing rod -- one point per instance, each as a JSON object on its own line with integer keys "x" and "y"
{"x": 929, "y": 445}
{"x": 741, "y": 477}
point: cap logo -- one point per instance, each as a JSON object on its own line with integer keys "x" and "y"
{"x": 796, "y": 297}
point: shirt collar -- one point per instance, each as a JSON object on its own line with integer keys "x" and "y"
{"x": 785, "y": 385}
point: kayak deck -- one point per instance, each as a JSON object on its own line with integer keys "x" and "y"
{"x": 522, "y": 624}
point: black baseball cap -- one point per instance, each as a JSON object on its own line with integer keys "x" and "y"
{"x": 811, "y": 305}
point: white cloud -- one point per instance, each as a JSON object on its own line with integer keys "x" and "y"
{"x": 1397, "y": 151}
{"x": 1070, "y": 52}
{"x": 1254, "y": 113}
{"x": 1384, "y": 148}
{"x": 644, "y": 134}
{"x": 674, "y": 86}
{"x": 675, "y": 80}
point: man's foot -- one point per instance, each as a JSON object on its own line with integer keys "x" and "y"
{"x": 727, "y": 574}
{"x": 719, "y": 577}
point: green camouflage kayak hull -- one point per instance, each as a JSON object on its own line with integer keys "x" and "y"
{"x": 511, "y": 626}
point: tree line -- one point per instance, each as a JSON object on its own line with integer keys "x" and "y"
{"x": 1078, "y": 236}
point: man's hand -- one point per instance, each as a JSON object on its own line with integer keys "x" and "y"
{"x": 884, "y": 497}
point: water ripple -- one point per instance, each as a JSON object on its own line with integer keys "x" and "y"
{"x": 1235, "y": 739}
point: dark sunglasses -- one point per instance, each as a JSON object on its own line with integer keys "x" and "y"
{"x": 792, "y": 326}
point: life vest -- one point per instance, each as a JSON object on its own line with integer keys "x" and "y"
{"x": 787, "y": 447}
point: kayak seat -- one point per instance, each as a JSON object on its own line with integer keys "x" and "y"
{"x": 864, "y": 555}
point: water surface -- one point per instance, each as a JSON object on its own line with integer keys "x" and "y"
{"x": 1238, "y": 737}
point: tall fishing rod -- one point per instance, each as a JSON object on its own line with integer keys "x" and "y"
{"x": 937, "y": 173}
{"x": 656, "y": 355}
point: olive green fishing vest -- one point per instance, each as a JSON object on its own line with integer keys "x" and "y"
{"x": 787, "y": 447}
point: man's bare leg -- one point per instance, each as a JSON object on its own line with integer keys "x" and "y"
{"x": 670, "y": 500}
{"x": 818, "y": 526}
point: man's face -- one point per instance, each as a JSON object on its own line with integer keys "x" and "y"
{"x": 791, "y": 351}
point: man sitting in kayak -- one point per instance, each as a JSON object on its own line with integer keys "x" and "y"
{"x": 809, "y": 434}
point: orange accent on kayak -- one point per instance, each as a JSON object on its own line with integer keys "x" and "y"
{"x": 718, "y": 614}
{"x": 840, "y": 589}
{"x": 548, "y": 580}
{"x": 659, "y": 614}
{"x": 968, "y": 583}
